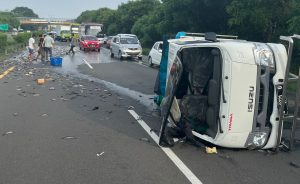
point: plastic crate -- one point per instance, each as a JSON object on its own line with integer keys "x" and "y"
{"x": 56, "y": 61}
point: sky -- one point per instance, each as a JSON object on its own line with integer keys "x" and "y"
{"x": 60, "y": 8}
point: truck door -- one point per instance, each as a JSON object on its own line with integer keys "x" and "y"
{"x": 171, "y": 88}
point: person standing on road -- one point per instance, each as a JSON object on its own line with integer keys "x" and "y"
{"x": 74, "y": 42}
{"x": 48, "y": 46}
{"x": 41, "y": 51}
{"x": 30, "y": 47}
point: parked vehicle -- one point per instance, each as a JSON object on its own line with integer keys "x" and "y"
{"x": 92, "y": 29}
{"x": 125, "y": 45}
{"x": 75, "y": 30}
{"x": 89, "y": 43}
{"x": 63, "y": 33}
{"x": 101, "y": 37}
{"x": 52, "y": 34}
{"x": 108, "y": 41}
{"x": 225, "y": 91}
{"x": 155, "y": 53}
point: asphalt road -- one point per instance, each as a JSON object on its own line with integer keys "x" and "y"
{"x": 76, "y": 128}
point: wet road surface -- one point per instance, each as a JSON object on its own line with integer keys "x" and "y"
{"x": 76, "y": 129}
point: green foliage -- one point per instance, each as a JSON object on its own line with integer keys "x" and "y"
{"x": 255, "y": 20}
{"x": 24, "y": 12}
{"x": 3, "y": 40}
{"x": 22, "y": 37}
{"x": 10, "y": 19}
{"x": 122, "y": 19}
{"x": 260, "y": 20}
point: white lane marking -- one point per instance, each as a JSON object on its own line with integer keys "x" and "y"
{"x": 87, "y": 64}
{"x": 174, "y": 158}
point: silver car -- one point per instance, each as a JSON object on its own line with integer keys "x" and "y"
{"x": 125, "y": 45}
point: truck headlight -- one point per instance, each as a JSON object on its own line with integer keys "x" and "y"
{"x": 256, "y": 140}
{"x": 263, "y": 55}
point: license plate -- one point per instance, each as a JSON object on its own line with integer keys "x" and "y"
{"x": 279, "y": 91}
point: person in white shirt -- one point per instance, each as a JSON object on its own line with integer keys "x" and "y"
{"x": 48, "y": 45}
{"x": 31, "y": 42}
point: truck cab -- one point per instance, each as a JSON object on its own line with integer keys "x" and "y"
{"x": 228, "y": 91}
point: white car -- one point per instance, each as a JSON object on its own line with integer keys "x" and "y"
{"x": 155, "y": 54}
{"x": 126, "y": 46}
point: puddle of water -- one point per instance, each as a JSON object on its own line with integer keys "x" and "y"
{"x": 70, "y": 67}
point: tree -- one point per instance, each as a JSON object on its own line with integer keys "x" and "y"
{"x": 10, "y": 19}
{"x": 130, "y": 12}
{"x": 259, "y": 20}
{"x": 87, "y": 16}
{"x": 173, "y": 16}
{"x": 24, "y": 12}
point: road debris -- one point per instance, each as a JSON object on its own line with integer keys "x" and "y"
{"x": 95, "y": 108}
{"x": 100, "y": 154}
{"x": 293, "y": 164}
{"x": 40, "y": 81}
{"x": 51, "y": 88}
{"x": 36, "y": 94}
{"x": 130, "y": 107}
{"x": 144, "y": 139}
{"x": 69, "y": 137}
{"x": 15, "y": 114}
{"x": 44, "y": 115}
{"x": 7, "y": 133}
{"x": 212, "y": 150}
{"x": 64, "y": 99}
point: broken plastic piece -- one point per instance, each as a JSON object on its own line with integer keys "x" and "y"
{"x": 293, "y": 164}
{"x": 95, "y": 108}
{"x": 145, "y": 139}
{"x": 212, "y": 150}
{"x": 40, "y": 81}
{"x": 69, "y": 137}
{"x": 7, "y": 133}
{"x": 100, "y": 154}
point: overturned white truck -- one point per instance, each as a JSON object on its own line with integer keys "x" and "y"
{"x": 227, "y": 91}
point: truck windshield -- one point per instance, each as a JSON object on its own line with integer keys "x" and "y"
{"x": 129, "y": 40}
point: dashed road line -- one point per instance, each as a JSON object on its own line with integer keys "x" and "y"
{"x": 173, "y": 157}
{"x": 90, "y": 66}
{"x": 7, "y": 72}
